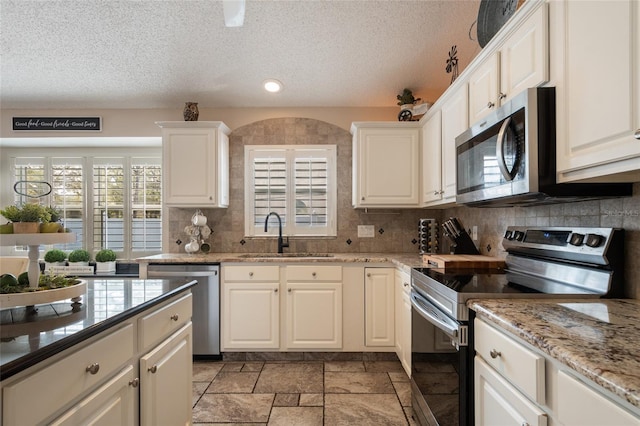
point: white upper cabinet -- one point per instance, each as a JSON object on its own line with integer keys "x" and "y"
{"x": 386, "y": 164}
{"x": 522, "y": 61}
{"x": 432, "y": 159}
{"x": 454, "y": 122}
{"x": 195, "y": 163}
{"x": 595, "y": 66}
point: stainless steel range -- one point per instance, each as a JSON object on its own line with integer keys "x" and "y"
{"x": 541, "y": 262}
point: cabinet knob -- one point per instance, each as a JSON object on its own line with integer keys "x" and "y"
{"x": 93, "y": 368}
{"x": 442, "y": 191}
{"x": 436, "y": 192}
{"x": 490, "y": 104}
{"x": 289, "y": 290}
{"x": 174, "y": 317}
{"x": 362, "y": 198}
{"x": 313, "y": 274}
{"x": 210, "y": 198}
{"x": 275, "y": 290}
{"x": 637, "y": 134}
{"x": 502, "y": 95}
{"x": 406, "y": 284}
{"x": 369, "y": 275}
{"x": 134, "y": 383}
{"x": 494, "y": 354}
{"x": 250, "y": 274}
{"x": 153, "y": 369}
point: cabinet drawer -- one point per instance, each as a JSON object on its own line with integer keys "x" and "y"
{"x": 33, "y": 399}
{"x": 314, "y": 273}
{"x": 522, "y": 367}
{"x": 251, "y": 273}
{"x": 164, "y": 321}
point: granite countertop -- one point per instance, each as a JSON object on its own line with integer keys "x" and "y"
{"x": 403, "y": 260}
{"x": 596, "y": 338}
{"x": 28, "y": 338}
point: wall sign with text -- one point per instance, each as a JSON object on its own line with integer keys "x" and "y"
{"x": 64, "y": 124}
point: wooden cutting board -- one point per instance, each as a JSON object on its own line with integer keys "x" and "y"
{"x": 463, "y": 261}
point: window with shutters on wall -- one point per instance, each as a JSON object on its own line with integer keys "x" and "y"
{"x": 296, "y": 181}
{"x": 108, "y": 202}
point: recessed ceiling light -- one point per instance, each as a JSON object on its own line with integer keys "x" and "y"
{"x": 273, "y": 86}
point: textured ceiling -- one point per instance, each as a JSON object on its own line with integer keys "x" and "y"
{"x": 159, "y": 54}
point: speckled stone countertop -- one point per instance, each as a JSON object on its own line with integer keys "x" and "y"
{"x": 406, "y": 261}
{"x": 596, "y": 338}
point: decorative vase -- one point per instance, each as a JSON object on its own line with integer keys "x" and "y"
{"x": 26, "y": 227}
{"x": 106, "y": 267}
{"x": 50, "y": 227}
{"x": 191, "y": 112}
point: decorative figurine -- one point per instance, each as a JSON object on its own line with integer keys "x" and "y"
{"x": 191, "y": 111}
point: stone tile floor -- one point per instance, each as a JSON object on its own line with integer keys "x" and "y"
{"x": 301, "y": 392}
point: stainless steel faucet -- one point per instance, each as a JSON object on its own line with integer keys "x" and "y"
{"x": 281, "y": 243}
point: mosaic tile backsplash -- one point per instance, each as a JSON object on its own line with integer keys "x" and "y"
{"x": 398, "y": 226}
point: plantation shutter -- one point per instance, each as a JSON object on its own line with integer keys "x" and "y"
{"x": 108, "y": 204}
{"x": 146, "y": 204}
{"x": 270, "y": 185}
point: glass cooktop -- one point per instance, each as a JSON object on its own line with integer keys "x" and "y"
{"x": 481, "y": 281}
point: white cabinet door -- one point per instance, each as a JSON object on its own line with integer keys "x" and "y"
{"x": 403, "y": 319}
{"x": 111, "y": 404}
{"x": 195, "y": 158}
{"x": 455, "y": 120}
{"x": 379, "y": 307}
{"x": 386, "y": 165}
{"x": 165, "y": 381}
{"x": 524, "y": 57}
{"x": 432, "y": 159}
{"x": 250, "y": 314}
{"x": 579, "y": 404}
{"x": 314, "y": 315}
{"x": 521, "y": 62}
{"x": 597, "y": 78}
{"x": 499, "y": 403}
{"x": 483, "y": 88}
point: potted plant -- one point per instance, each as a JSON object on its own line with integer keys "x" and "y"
{"x": 53, "y": 225}
{"x": 54, "y": 257}
{"x": 105, "y": 261}
{"x": 79, "y": 257}
{"x": 26, "y": 219}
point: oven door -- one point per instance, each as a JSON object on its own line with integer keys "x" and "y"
{"x": 440, "y": 374}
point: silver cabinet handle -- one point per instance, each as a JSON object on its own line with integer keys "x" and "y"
{"x": 495, "y": 354}
{"x": 153, "y": 369}
{"x": 134, "y": 383}
{"x": 93, "y": 368}
{"x": 490, "y": 104}
{"x": 250, "y": 274}
{"x": 174, "y": 317}
{"x": 637, "y": 134}
{"x": 502, "y": 95}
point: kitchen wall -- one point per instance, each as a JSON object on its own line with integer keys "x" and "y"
{"x": 395, "y": 228}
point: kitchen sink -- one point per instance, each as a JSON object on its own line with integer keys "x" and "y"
{"x": 279, "y": 255}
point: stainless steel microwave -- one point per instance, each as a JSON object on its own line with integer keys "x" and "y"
{"x": 509, "y": 158}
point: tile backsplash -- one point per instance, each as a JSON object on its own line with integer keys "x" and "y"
{"x": 395, "y": 229}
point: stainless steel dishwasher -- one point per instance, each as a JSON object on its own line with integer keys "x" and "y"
{"x": 206, "y": 302}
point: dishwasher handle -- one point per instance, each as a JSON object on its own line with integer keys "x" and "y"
{"x": 169, "y": 274}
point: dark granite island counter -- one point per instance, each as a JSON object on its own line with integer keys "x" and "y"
{"x": 67, "y": 355}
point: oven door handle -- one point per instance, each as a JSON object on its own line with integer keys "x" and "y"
{"x": 502, "y": 164}
{"x": 431, "y": 313}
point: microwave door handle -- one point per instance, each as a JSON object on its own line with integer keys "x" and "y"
{"x": 502, "y": 164}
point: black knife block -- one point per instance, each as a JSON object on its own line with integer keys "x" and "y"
{"x": 464, "y": 244}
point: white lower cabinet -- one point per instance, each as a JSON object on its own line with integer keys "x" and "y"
{"x": 250, "y": 307}
{"x": 403, "y": 319}
{"x": 165, "y": 381}
{"x": 111, "y": 404}
{"x": 379, "y": 309}
{"x": 499, "y": 403}
{"x": 143, "y": 363}
{"x": 516, "y": 384}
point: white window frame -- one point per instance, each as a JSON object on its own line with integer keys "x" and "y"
{"x": 290, "y": 153}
